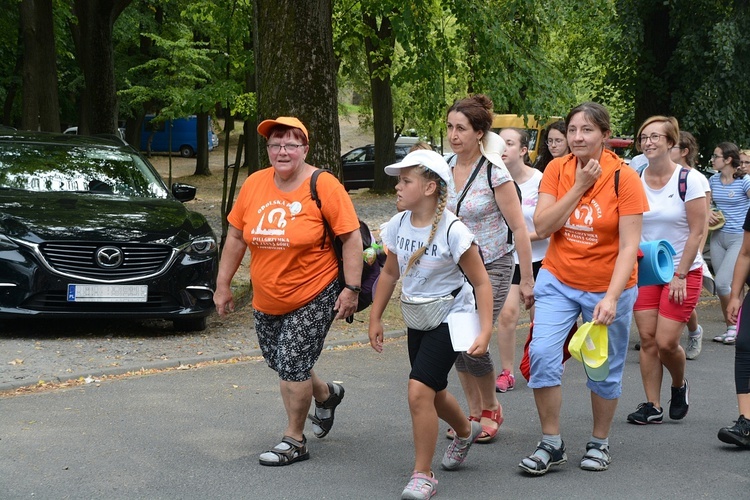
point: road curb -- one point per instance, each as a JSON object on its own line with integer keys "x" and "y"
{"x": 176, "y": 363}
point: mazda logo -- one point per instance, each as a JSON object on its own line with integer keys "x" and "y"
{"x": 109, "y": 257}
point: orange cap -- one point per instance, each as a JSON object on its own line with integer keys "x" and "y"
{"x": 289, "y": 121}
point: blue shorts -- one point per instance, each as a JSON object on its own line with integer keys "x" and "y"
{"x": 557, "y": 308}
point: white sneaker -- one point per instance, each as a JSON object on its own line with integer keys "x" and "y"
{"x": 694, "y": 344}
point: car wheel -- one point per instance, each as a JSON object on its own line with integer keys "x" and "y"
{"x": 190, "y": 324}
{"x": 186, "y": 151}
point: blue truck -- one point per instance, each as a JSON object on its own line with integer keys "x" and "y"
{"x": 184, "y": 135}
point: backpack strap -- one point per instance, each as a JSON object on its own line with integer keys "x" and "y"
{"x": 681, "y": 181}
{"x": 617, "y": 183}
{"x": 326, "y": 227}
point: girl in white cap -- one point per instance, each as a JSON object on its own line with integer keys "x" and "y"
{"x": 426, "y": 245}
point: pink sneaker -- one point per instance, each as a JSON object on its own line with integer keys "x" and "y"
{"x": 505, "y": 381}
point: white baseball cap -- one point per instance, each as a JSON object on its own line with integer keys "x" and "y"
{"x": 428, "y": 159}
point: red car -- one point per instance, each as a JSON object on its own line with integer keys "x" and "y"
{"x": 623, "y": 146}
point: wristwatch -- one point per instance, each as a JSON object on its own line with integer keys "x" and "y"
{"x": 680, "y": 276}
{"x": 353, "y": 288}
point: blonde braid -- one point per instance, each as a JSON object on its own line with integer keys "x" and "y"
{"x": 442, "y": 200}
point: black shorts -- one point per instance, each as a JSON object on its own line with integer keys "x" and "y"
{"x": 535, "y": 267}
{"x": 431, "y": 356}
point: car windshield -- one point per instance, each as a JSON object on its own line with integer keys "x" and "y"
{"x": 49, "y": 168}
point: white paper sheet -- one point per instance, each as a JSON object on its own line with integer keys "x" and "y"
{"x": 464, "y": 328}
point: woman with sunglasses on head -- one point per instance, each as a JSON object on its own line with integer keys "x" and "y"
{"x": 685, "y": 154}
{"x": 295, "y": 276}
{"x": 482, "y": 194}
{"x": 730, "y": 191}
{"x": 677, "y": 213}
{"x": 553, "y": 146}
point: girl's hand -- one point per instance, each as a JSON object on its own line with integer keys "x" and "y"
{"x": 480, "y": 346}
{"x": 375, "y": 333}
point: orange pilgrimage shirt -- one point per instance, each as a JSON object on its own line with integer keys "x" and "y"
{"x": 582, "y": 253}
{"x": 284, "y": 233}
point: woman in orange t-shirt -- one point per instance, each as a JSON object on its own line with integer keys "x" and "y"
{"x": 294, "y": 271}
{"x": 591, "y": 205}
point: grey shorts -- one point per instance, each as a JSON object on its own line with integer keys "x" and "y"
{"x": 500, "y": 272}
{"x": 291, "y": 343}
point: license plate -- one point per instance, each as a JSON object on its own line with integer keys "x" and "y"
{"x": 107, "y": 293}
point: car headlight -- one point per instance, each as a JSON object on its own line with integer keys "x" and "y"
{"x": 202, "y": 246}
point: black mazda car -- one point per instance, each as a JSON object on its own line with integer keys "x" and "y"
{"x": 89, "y": 229}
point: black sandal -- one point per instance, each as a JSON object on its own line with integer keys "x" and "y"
{"x": 599, "y": 463}
{"x": 288, "y": 451}
{"x": 322, "y": 424}
{"x": 557, "y": 457}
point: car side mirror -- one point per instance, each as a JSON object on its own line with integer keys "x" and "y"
{"x": 183, "y": 192}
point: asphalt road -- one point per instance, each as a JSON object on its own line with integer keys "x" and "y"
{"x": 197, "y": 434}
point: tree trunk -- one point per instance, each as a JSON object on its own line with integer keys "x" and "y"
{"x": 201, "y": 161}
{"x": 40, "y": 105}
{"x": 382, "y": 100}
{"x": 250, "y": 136}
{"x": 92, "y": 36}
{"x": 653, "y": 89}
{"x": 295, "y": 73}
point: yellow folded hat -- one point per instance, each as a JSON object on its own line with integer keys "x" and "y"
{"x": 590, "y": 346}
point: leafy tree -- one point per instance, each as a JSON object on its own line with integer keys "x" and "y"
{"x": 694, "y": 67}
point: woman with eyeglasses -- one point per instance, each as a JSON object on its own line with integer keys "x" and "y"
{"x": 677, "y": 213}
{"x": 730, "y": 190}
{"x": 745, "y": 161}
{"x": 554, "y": 145}
{"x": 295, "y": 276}
{"x": 685, "y": 154}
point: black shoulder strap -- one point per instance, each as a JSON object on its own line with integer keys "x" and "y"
{"x": 468, "y": 183}
{"x": 617, "y": 182}
{"x": 314, "y": 195}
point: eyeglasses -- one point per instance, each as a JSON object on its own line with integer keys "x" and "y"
{"x": 677, "y": 147}
{"x": 289, "y": 148}
{"x": 555, "y": 142}
{"x": 654, "y": 138}
{"x": 714, "y": 156}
